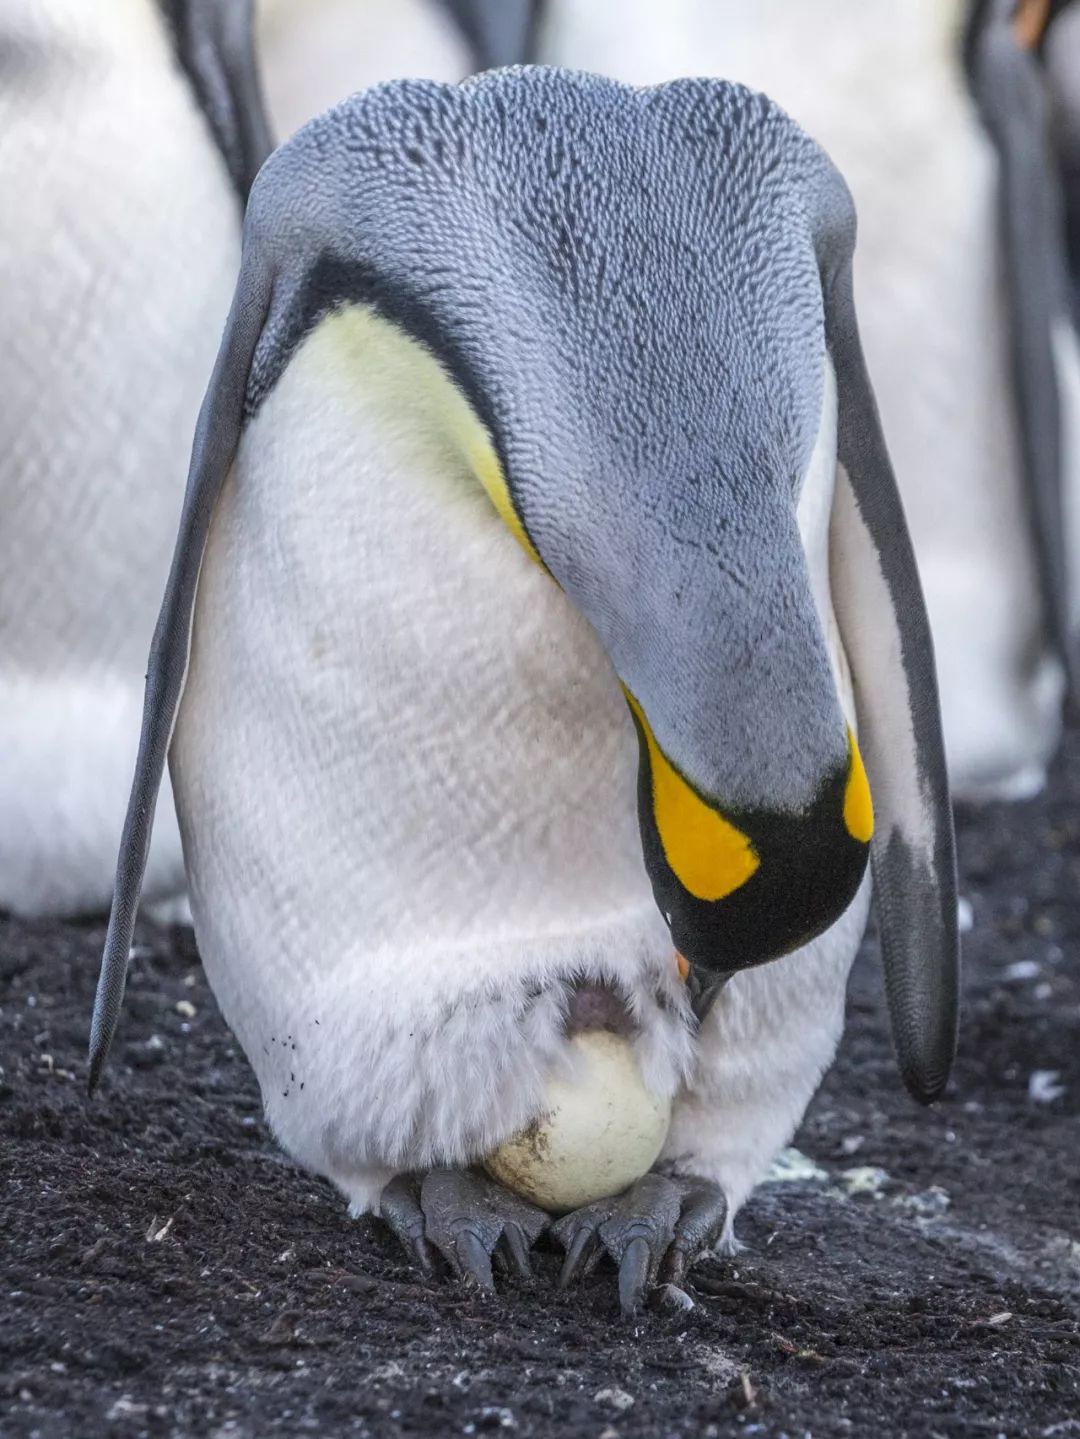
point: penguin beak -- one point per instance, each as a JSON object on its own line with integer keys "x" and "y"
{"x": 741, "y": 888}
{"x": 702, "y": 985}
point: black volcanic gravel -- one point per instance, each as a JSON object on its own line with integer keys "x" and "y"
{"x": 165, "y": 1271}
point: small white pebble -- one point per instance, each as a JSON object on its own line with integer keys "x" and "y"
{"x": 185, "y": 1008}
{"x": 674, "y": 1297}
{"x": 965, "y": 915}
{"x": 616, "y": 1398}
{"x": 1043, "y": 1086}
{"x": 793, "y": 1167}
{"x": 867, "y": 1179}
{"x": 1022, "y": 969}
{"x": 503, "y": 1417}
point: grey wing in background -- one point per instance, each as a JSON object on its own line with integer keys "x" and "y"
{"x": 215, "y": 44}
{"x": 1010, "y": 89}
{"x": 500, "y": 32}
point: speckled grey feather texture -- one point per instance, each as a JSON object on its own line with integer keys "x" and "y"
{"x": 630, "y": 287}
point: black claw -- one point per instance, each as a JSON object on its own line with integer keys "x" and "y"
{"x": 703, "y": 1213}
{"x": 472, "y": 1260}
{"x": 634, "y": 1275}
{"x": 400, "y": 1208}
{"x": 472, "y": 1221}
{"x": 516, "y": 1246}
{"x": 424, "y": 1255}
{"x": 657, "y": 1221}
{"x": 579, "y": 1249}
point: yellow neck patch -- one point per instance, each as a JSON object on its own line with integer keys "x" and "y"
{"x": 709, "y": 857}
{"x": 858, "y": 804}
{"x": 407, "y": 367}
{"x": 484, "y": 462}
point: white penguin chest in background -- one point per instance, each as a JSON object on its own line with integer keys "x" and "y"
{"x": 881, "y": 88}
{"x": 119, "y": 239}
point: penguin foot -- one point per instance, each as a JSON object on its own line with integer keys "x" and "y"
{"x": 467, "y": 1218}
{"x": 658, "y": 1228}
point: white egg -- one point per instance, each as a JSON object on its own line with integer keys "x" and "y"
{"x": 602, "y": 1130}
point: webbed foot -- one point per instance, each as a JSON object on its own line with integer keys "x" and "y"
{"x": 657, "y": 1228}
{"x": 467, "y": 1218}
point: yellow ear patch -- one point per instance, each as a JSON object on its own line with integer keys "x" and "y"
{"x": 709, "y": 857}
{"x": 858, "y": 804}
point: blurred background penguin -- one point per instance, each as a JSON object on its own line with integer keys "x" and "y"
{"x": 130, "y": 131}
{"x": 954, "y": 124}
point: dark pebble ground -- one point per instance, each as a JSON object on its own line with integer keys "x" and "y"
{"x": 164, "y": 1271}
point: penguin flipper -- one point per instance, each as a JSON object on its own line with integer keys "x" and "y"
{"x": 882, "y": 617}
{"x": 215, "y": 44}
{"x": 1009, "y": 87}
{"x": 217, "y": 437}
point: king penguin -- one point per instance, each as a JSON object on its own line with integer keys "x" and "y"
{"x": 129, "y": 134}
{"x": 963, "y": 302}
{"x": 539, "y": 562}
